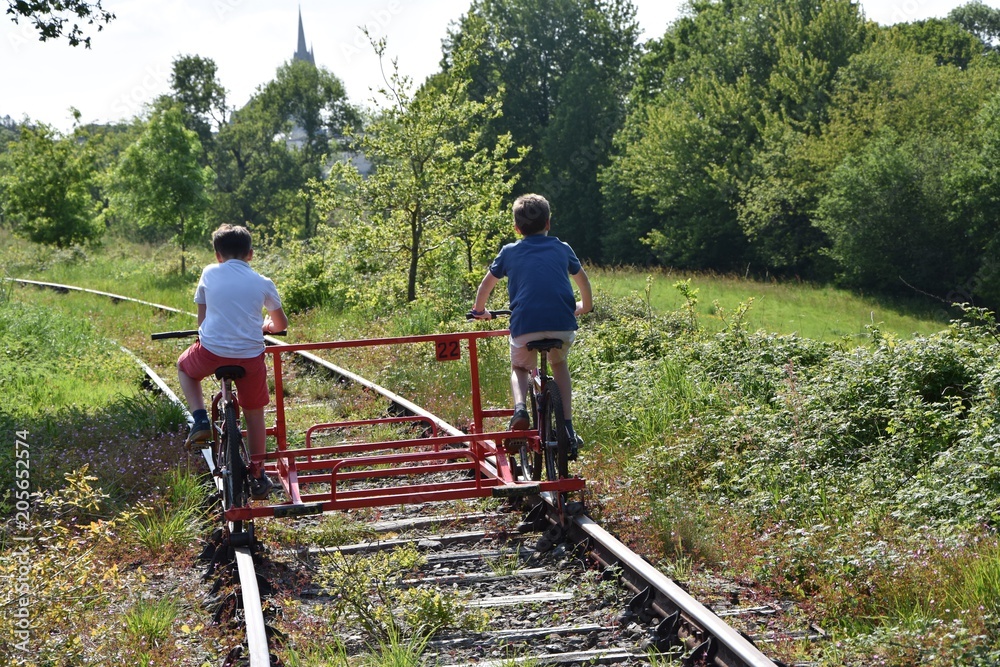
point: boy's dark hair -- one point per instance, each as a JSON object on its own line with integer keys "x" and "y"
{"x": 531, "y": 213}
{"x": 231, "y": 241}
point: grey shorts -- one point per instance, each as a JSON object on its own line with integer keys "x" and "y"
{"x": 522, "y": 357}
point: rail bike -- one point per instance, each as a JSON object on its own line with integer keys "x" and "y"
{"x": 439, "y": 463}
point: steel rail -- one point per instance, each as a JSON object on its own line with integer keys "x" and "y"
{"x": 253, "y": 610}
{"x": 732, "y": 649}
{"x": 114, "y": 297}
{"x": 696, "y": 622}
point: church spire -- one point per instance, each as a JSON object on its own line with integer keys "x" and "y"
{"x": 302, "y": 53}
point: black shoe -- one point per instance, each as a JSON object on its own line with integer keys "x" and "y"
{"x": 575, "y": 443}
{"x": 520, "y": 421}
{"x": 201, "y": 431}
{"x": 261, "y": 487}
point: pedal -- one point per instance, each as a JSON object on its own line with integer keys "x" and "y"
{"x": 513, "y": 446}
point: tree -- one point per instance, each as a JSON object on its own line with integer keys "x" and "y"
{"x": 271, "y": 148}
{"x": 161, "y": 183}
{"x": 50, "y": 17}
{"x": 431, "y": 184}
{"x": 887, "y": 211}
{"x": 946, "y": 41}
{"x": 722, "y": 81}
{"x": 46, "y": 193}
{"x": 203, "y": 99}
{"x": 981, "y": 20}
{"x": 561, "y": 70}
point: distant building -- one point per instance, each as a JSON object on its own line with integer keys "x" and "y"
{"x": 296, "y": 137}
{"x": 301, "y": 53}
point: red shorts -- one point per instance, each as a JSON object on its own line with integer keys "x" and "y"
{"x": 198, "y": 363}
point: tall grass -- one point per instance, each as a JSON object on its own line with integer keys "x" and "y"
{"x": 149, "y": 272}
{"x": 158, "y": 527}
{"x": 782, "y": 307}
{"x": 149, "y": 621}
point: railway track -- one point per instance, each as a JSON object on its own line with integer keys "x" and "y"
{"x": 544, "y": 577}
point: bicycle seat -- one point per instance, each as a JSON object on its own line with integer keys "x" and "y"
{"x": 230, "y": 372}
{"x": 545, "y": 344}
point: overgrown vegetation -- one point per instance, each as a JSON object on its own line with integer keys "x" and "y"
{"x": 855, "y": 480}
{"x": 858, "y": 480}
{"x": 369, "y": 595}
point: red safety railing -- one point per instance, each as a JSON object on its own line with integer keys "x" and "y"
{"x": 392, "y": 472}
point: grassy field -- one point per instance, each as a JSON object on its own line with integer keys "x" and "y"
{"x": 818, "y": 312}
{"x": 781, "y": 307}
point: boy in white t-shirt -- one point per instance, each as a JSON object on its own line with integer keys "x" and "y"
{"x": 231, "y": 298}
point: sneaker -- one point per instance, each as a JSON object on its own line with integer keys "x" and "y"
{"x": 574, "y": 448}
{"x": 520, "y": 421}
{"x": 201, "y": 431}
{"x": 261, "y": 487}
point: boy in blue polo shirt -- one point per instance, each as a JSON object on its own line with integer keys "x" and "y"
{"x": 537, "y": 268}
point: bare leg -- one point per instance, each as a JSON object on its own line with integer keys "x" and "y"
{"x": 256, "y": 431}
{"x": 519, "y": 378}
{"x": 560, "y": 373}
{"x": 192, "y": 390}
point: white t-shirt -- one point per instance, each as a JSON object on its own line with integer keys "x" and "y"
{"x": 235, "y": 296}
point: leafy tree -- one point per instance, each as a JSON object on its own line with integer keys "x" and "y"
{"x": 281, "y": 139}
{"x": 726, "y": 80}
{"x": 47, "y": 190}
{"x": 981, "y": 20}
{"x": 51, "y": 17}
{"x": 256, "y": 175}
{"x": 887, "y": 212}
{"x": 434, "y": 196}
{"x": 946, "y": 41}
{"x": 161, "y": 183}
{"x": 561, "y": 70}
{"x": 978, "y": 189}
{"x": 196, "y": 88}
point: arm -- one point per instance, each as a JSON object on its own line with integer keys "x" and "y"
{"x": 483, "y": 295}
{"x": 275, "y": 321}
{"x": 202, "y": 310}
{"x": 586, "y": 302}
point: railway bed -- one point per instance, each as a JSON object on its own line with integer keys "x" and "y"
{"x": 558, "y": 588}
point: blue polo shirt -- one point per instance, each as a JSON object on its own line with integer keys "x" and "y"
{"x": 537, "y": 269}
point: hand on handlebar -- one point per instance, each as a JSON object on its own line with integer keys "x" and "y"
{"x": 479, "y": 315}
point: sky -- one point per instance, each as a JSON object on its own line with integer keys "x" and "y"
{"x": 129, "y": 62}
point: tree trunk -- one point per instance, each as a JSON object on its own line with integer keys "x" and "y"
{"x": 411, "y": 281}
{"x": 183, "y": 249}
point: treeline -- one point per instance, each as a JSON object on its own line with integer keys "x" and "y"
{"x": 775, "y": 137}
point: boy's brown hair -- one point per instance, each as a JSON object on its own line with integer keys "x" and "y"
{"x": 232, "y": 241}
{"x": 531, "y": 213}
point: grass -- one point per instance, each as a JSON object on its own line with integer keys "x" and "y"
{"x": 159, "y": 527}
{"x": 782, "y": 307}
{"x": 151, "y": 271}
{"x": 149, "y": 621}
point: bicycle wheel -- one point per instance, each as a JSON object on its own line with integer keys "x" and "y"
{"x": 234, "y": 489}
{"x": 555, "y": 439}
{"x": 531, "y": 460}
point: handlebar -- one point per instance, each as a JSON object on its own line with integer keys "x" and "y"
{"x": 493, "y": 313}
{"x": 194, "y": 332}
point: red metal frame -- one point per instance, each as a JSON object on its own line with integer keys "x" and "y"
{"x": 335, "y": 469}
